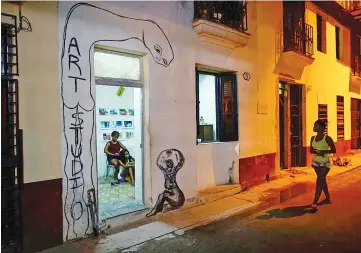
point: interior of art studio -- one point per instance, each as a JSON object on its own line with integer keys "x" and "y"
{"x": 119, "y": 154}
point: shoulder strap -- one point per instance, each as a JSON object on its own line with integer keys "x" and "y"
{"x": 324, "y": 137}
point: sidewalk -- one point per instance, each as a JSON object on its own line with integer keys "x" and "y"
{"x": 290, "y": 184}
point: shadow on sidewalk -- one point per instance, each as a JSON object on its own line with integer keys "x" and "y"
{"x": 288, "y": 212}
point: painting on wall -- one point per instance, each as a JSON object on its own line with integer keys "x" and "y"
{"x": 129, "y": 135}
{"x": 106, "y": 136}
{"x": 122, "y": 111}
{"x": 128, "y": 124}
{"x": 169, "y": 161}
{"x": 131, "y": 112}
{"x": 117, "y": 124}
{"x": 103, "y": 111}
{"x": 104, "y": 124}
{"x": 113, "y": 111}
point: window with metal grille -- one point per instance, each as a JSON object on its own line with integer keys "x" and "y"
{"x": 9, "y": 49}
{"x": 338, "y": 43}
{"x": 340, "y": 118}
{"x": 322, "y": 115}
{"x": 11, "y": 140}
{"x": 216, "y": 107}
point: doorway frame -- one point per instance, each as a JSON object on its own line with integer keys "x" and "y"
{"x": 358, "y": 103}
{"x": 105, "y": 81}
{"x": 287, "y": 156}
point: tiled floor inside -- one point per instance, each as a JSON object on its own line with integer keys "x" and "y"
{"x": 116, "y": 200}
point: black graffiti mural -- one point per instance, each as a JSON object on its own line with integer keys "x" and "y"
{"x": 169, "y": 161}
{"x": 80, "y": 173}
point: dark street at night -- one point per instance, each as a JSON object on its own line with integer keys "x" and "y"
{"x": 289, "y": 227}
{"x": 180, "y": 126}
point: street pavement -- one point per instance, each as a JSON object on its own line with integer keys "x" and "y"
{"x": 290, "y": 227}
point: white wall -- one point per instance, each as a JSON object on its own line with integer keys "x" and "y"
{"x": 207, "y": 99}
{"x": 213, "y": 161}
{"x": 167, "y": 97}
{"x": 169, "y": 91}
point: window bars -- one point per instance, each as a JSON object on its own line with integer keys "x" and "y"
{"x": 9, "y": 46}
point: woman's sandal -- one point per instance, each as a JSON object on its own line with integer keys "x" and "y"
{"x": 314, "y": 206}
{"x": 325, "y": 202}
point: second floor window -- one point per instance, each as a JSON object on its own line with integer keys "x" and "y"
{"x": 338, "y": 43}
{"x": 321, "y": 34}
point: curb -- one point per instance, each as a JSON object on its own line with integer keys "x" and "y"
{"x": 344, "y": 172}
{"x": 294, "y": 190}
{"x": 221, "y": 216}
{"x": 244, "y": 209}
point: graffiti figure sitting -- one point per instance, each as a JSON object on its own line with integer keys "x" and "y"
{"x": 169, "y": 161}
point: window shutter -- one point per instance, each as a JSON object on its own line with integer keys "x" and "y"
{"x": 197, "y": 104}
{"x": 319, "y": 33}
{"x": 337, "y": 33}
{"x": 228, "y": 111}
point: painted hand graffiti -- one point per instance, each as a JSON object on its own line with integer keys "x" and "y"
{"x": 78, "y": 102}
{"x": 169, "y": 161}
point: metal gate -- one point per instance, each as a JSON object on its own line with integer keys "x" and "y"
{"x": 282, "y": 122}
{"x": 296, "y": 125}
{"x": 355, "y": 123}
{"x": 11, "y": 141}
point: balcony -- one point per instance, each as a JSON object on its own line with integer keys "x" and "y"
{"x": 355, "y": 78}
{"x": 295, "y": 50}
{"x": 223, "y": 23}
{"x": 353, "y": 7}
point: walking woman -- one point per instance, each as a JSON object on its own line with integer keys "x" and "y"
{"x": 321, "y": 146}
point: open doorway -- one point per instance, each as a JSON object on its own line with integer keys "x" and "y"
{"x": 296, "y": 125}
{"x": 282, "y": 100}
{"x": 119, "y": 110}
{"x": 290, "y": 125}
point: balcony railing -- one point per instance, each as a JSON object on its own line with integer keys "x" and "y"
{"x": 298, "y": 39}
{"x": 350, "y": 5}
{"x": 356, "y": 66}
{"x": 229, "y": 13}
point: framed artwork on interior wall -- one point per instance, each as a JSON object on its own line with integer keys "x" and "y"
{"x": 106, "y": 136}
{"x": 129, "y": 135}
{"x": 113, "y": 111}
{"x": 117, "y": 124}
{"x": 103, "y": 111}
{"x": 128, "y": 124}
{"x": 131, "y": 112}
{"x": 121, "y": 136}
{"x": 122, "y": 111}
{"x": 104, "y": 124}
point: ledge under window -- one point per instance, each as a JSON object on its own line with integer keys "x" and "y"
{"x": 221, "y": 22}
{"x": 220, "y": 34}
